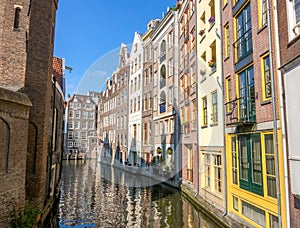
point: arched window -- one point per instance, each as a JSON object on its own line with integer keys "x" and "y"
{"x": 163, "y": 48}
{"x": 163, "y": 76}
{"x": 5, "y": 143}
{"x": 162, "y": 102}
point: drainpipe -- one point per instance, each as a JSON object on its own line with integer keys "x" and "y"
{"x": 283, "y": 127}
{"x": 225, "y": 195}
{"x": 275, "y": 137}
{"x": 198, "y": 137}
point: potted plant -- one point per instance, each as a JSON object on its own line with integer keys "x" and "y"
{"x": 202, "y": 72}
{"x": 159, "y": 150}
{"x": 211, "y": 63}
{"x": 201, "y": 33}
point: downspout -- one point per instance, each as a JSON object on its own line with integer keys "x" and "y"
{"x": 52, "y": 134}
{"x": 223, "y": 113}
{"x": 198, "y": 137}
{"x": 283, "y": 127}
{"x": 275, "y": 136}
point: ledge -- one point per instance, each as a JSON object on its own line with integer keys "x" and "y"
{"x": 15, "y": 97}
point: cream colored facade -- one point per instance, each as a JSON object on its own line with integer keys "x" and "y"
{"x": 210, "y": 102}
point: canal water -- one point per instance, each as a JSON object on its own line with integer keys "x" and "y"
{"x": 98, "y": 195}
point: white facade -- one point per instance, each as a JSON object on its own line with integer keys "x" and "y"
{"x": 135, "y": 101}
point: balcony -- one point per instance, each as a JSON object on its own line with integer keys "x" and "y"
{"x": 243, "y": 46}
{"x": 241, "y": 111}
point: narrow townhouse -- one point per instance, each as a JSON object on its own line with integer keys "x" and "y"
{"x": 106, "y": 131}
{"x": 254, "y": 156}
{"x": 122, "y": 75}
{"x": 81, "y": 132}
{"x": 188, "y": 93}
{"x": 166, "y": 154}
{"x": 288, "y": 21}
{"x": 135, "y": 102}
{"x": 147, "y": 99}
{"x": 210, "y": 104}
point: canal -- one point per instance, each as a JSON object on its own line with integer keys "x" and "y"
{"x": 97, "y": 195}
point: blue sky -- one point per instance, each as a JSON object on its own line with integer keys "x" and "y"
{"x": 90, "y": 32}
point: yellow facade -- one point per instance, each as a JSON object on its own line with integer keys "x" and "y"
{"x": 262, "y": 205}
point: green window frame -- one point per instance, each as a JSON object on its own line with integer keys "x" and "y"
{"x": 250, "y": 163}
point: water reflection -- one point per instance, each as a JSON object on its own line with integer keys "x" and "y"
{"x": 95, "y": 195}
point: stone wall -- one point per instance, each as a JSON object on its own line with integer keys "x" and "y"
{"x": 14, "y": 114}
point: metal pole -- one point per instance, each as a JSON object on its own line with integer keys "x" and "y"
{"x": 275, "y": 137}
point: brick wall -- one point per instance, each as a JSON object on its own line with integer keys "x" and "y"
{"x": 13, "y": 44}
{"x": 14, "y": 114}
{"x": 38, "y": 87}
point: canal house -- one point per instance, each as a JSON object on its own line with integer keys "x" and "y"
{"x": 254, "y": 155}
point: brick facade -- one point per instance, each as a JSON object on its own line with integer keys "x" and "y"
{"x": 14, "y": 114}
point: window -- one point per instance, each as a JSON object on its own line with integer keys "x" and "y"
{"x": 254, "y": 213}
{"x": 190, "y": 164}
{"x": 167, "y": 126}
{"x": 207, "y": 170}
{"x": 247, "y": 108}
{"x": 76, "y": 135}
{"x": 235, "y": 203}
{"x": 273, "y": 220}
{"x": 243, "y": 44}
{"x": 204, "y": 111}
{"x": 229, "y": 105}
{"x": 194, "y": 114}
{"x": 91, "y": 125}
{"x": 250, "y": 163}
{"x": 234, "y": 161}
{"x": 171, "y": 95}
{"x": 263, "y": 13}
{"x": 162, "y": 130}
{"x": 77, "y": 124}
{"x": 156, "y": 129}
{"x": 162, "y": 76}
{"x": 155, "y": 103}
{"x": 76, "y": 144}
{"x": 70, "y": 144}
{"x": 83, "y": 135}
{"x": 214, "y": 114}
{"x": 71, "y": 125}
{"x": 170, "y": 39}
{"x": 218, "y": 173}
{"x": 71, "y": 114}
{"x": 91, "y": 115}
{"x": 162, "y": 102}
{"x": 77, "y": 114}
{"x": 213, "y": 51}
{"x": 270, "y": 166}
{"x": 84, "y": 115}
{"x": 171, "y": 64}
{"x": 267, "y": 83}
{"x": 163, "y": 51}
{"x": 17, "y": 17}
{"x": 226, "y": 41}
{"x": 70, "y": 135}
{"x": 145, "y": 133}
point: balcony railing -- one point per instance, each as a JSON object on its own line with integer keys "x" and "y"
{"x": 240, "y": 111}
{"x": 243, "y": 46}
